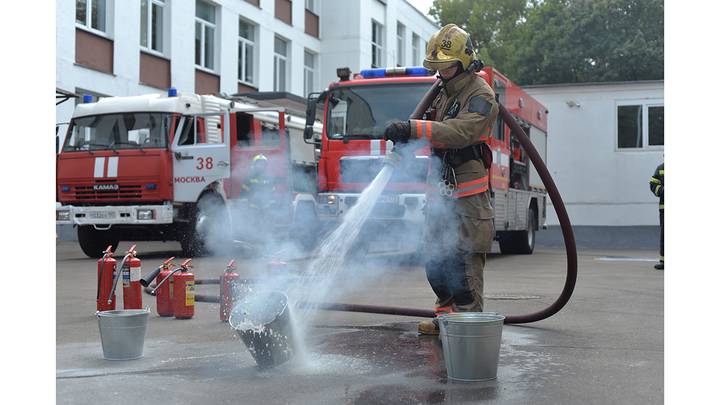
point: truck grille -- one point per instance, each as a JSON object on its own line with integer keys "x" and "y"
{"x": 124, "y": 191}
{"x": 359, "y": 170}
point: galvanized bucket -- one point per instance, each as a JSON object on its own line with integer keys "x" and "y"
{"x": 262, "y": 320}
{"x": 471, "y": 344}
{"x": 122, "y": 333}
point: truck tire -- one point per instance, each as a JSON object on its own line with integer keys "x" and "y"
{"x": 206, "y": 231}
{"x": 94, "y": 242}
{"x": 520, "y": 242}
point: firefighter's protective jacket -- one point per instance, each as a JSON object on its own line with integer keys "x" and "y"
{"x": 657, "y": 184}
{"x": 258, "y": 191}
{"x": 465, "y": 113}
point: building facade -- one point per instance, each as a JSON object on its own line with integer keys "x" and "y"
{"x": 604, "y": 142}
{"x": 130, "y": 47}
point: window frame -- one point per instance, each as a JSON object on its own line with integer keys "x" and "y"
{"x": 416, "y": 58}
{"x": 376, "y": 47}
{"x": 644, "y": 104}
{"x": 243, "y": 43}
{"x": 400, "y": 39}
{"x": 311, "y": 6}
{"x": 276, "y": 65}
{"x": 164, "y": 5}
{"x": 311, "y": 71}
{"x": 87, "y": 25}
{"x": 204, "y": 24}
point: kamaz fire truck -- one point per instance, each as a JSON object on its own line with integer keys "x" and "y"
{"x": 351, "y": 149}
{"x": 168, "y": 167}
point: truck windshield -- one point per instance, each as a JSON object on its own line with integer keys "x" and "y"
{"x": 118, "y": 131}
{"x": 364, "y": 111}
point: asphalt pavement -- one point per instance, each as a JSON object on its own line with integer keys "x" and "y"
{"x": 605, "y": 347}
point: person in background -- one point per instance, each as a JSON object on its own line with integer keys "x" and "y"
{"x": 657, "y": 186}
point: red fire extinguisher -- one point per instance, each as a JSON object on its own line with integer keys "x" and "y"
{"x": 184, "y": 292}
{"x": 228, "y": 283}
{"x": 132, "y": 290}
{"x": 162, "y": 291}
{"x": 120, "y": 270}
{"x": 106, "y": 272}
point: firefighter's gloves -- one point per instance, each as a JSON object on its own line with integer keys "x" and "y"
{"x": 398, "y": 132}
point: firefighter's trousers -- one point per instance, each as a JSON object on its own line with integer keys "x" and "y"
{"x": 459, "y": 233}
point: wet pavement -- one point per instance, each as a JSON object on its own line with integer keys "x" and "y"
{"x": 606, "y": 346}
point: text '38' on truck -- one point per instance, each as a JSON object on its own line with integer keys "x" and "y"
{"x": 350, "y": 148}
{"x": 170, "y": 167}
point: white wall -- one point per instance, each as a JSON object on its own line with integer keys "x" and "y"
{"x": 600, "y": 184}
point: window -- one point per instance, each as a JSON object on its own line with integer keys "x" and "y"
{"x": 416, "y": 50}
{"x": 377, "y": 44}
{"x": 640, "y": 125}
{"x": 204, "y": 35}
{"x": 118, "y": 131}
{"x": 151, "y": 24}
{"x": 280, "y": 65}
{"x": 246, "y": 53}
{"x": 309, "y": 69}
{"x": 400, "y": 45}
{"x": 91, "y": 14}
{"x": 311, "y": 5}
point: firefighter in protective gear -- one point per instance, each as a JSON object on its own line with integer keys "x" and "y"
{"x": 257, "y": 197}
{"x": 459, "y": 216}
{"x": 258, "y": 188}
{"x": 657, "y": 186}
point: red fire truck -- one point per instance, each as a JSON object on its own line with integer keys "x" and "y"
{"x": 354, "y": 112}
{"x": 167, "y": 167}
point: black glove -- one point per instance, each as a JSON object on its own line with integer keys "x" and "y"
{"x": 398, "y": 132}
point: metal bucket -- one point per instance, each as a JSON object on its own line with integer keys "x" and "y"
{"x": 262, "y": 320}
{"x": 122, "y": 333}
{"x": 471, "y": 344}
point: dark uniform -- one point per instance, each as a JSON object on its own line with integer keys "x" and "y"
{"x": 657, "y": 186}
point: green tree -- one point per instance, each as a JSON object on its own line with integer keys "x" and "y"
{"x": 564, "y": 41}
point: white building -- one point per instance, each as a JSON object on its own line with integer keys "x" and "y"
{"x": 130, "y": 47}
{"x": 604, "y": 142}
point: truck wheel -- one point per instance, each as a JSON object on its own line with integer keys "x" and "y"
{"x": 94, "y": 242}
{"x": 520, "y": 242}
{"x": 209, "y": 227}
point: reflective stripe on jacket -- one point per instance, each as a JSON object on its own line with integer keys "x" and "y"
{"x": 657, "y": 184}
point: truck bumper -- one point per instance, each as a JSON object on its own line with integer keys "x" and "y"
{"x": 409, "y": 208}
{"x": 114, "y": 215}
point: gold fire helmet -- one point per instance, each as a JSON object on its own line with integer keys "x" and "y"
{"x": 449, "y": 45}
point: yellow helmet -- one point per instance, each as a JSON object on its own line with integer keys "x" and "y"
{"x": 449, "y": 45}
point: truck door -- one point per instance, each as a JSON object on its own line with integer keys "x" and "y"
{"x": 201, "y": 154}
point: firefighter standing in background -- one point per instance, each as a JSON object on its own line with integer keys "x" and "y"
{"x": 459, "y": 217}
{"x": 657, "y": 186}
{"x": 258, "y": 196}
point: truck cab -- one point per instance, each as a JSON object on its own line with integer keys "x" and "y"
{"x": 158, "y": 167}
{"x": 354, "y": 113}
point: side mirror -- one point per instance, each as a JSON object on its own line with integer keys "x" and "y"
{"x": 308, "y": 132}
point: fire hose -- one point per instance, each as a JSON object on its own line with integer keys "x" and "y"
{"x": 559, "y": 206}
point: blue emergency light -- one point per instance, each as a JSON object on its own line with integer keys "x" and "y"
{"x": 151, "y": 186}
{"x": 65, "y": 189}
{"x": 87, "y": 98}
{"x": 172, "y": 92}
{"x": 399, "y": 71}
